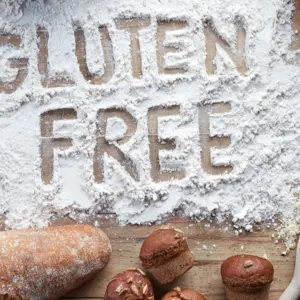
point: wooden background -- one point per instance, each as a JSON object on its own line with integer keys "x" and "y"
{"x": 204, "y": 277}
{"x": 210, "y": 243}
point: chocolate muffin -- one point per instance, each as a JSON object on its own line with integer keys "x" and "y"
{"x": 247, "y": 277}
{"x": 183, "y": 294}
{"x": 166, "y": 256}
{"x": 131, "y": 284}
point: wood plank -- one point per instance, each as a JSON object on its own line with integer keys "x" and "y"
{"x": 205, "y": 275}
{"x": 296, "y": 27}
{"x": 126, "y": 241}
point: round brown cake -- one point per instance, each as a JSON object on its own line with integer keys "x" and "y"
{"x": 131, "y": 284}
{"x": 183, "y": 294}
{"x": 247, "y": 277}
{"x": 166, "y": 255}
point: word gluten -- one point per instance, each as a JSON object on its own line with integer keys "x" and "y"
{"x": 133, "y": 27}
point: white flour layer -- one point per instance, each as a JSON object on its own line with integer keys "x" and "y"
{"x": 263, "y": 124}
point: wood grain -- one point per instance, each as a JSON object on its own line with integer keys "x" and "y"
{"x": 21, "y": 64}
{"x": 162, "y": 28}
{"x": 296, "y": 27}
{"x": 156, "y": 145}
{"x": 208, "y": 142}
{"x": 213, "y": 39}
{"x": 102, "y": 145}
{"x": 126, "y": 241}
{"x": 205, "y": 275}
{"x": 133, "y": 26}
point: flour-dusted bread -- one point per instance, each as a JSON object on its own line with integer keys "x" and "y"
{"x": 166, "y": 256}
{"x": 183, "y": 294}
{"x": 7, "y": 297}
{"x": 247, "y": 277}
{"x": 45, "y": 264}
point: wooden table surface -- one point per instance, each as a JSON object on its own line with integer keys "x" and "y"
{"x": 210, "y": 244}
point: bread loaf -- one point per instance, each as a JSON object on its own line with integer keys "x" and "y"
{"x": 45, "y": 264}
{"x": 7, "y": 297}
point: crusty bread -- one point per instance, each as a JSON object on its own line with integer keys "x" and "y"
{"x": 247, "y": 277}
{"x": 129, "y": 285}
{"x": 7, "y": 297}
{"x": 166, "y": 255}
{"x": 44, "y": 264}
{"x": 183, "y": 294}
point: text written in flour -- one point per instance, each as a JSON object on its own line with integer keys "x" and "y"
{"x": 49, "y": 142}
{"x": 133, "y": 29}
{"x": 128, "y": 163}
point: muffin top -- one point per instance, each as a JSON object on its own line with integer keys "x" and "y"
{"x": 183, "y": 294}
{"x": 131, "y": 284}
{"x": 162, "y": 245}
{"x": 247, "y": 271}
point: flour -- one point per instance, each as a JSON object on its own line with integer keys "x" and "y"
{"x": 12, "y": 9}
{"x": 116, "y": 129}
{"x": 263, "y": 122}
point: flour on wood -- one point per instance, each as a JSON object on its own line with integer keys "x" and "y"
{"x": 149, "y": 109}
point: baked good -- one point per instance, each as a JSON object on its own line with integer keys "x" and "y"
{"x": 7, "y": 297}
{"x": 165, "y": 255}
{"x": 131, "y": 284}
{"x": 182, "y": 294}
{"x": 247, "y": 277}
{"x": 45, "y": 264}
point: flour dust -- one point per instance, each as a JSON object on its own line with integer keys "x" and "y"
{"x": 263, "y": 122}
